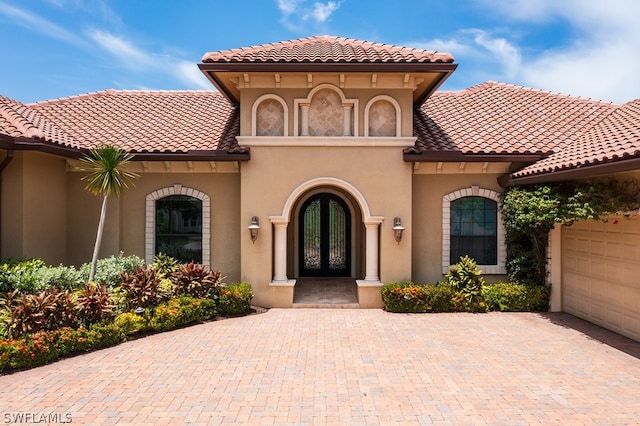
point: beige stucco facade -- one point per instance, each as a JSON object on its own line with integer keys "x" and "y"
{"x": 53, "y": 217}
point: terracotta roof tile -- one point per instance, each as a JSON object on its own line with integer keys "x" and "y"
{"x": 498, "y": 118}
{"x": 147, "y": 121}
{"x": 18, "y": 120}
{"x": 616, "y": 137}
{"x": 326, "y": 49}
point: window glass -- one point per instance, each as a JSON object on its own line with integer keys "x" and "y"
{"x": 179, "y": 227}
{"x": 474, "y": 230}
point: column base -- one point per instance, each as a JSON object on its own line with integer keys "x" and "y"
{"x": 369, "y": 296}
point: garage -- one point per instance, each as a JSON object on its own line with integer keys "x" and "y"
{"x": 600, "y": 275}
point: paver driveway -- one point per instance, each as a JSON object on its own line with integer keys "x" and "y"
{"x": 345, "y": 367}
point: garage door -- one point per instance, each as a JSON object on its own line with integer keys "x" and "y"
{"x": 601, "y": 273}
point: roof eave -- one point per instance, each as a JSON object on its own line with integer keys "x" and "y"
{"x": 445, "y": 157}
{"x": 583, "y": 172}
{"x": 191, "y": 156}
{"x": 212, "y": 69}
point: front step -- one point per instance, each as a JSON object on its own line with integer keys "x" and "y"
{"x": 325, "y": 306}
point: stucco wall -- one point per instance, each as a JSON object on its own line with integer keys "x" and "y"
{"x": 274, "y": 173}
{"x": 402, "y": 96}
{"x": 34, "y": 208}
{"x": 125, "y": 227}
{"x": 428, "y": 190}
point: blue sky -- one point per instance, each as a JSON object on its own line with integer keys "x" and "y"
{"x": 57, "y": 48}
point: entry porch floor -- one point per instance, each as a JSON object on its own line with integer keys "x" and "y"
{"x": 325, "y": 293}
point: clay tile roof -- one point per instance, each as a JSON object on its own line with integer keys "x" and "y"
{"x": 326, "y": 49}
{"x": 147, "y": 121}
{"x": 497, "y": 118}
{"x": 20, "y": 121}
{"x": 616, "y": 137}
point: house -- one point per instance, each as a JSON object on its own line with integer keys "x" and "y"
{"x": 341, "y": 153}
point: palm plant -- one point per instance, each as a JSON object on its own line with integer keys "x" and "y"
{"x": 106, "y": 176}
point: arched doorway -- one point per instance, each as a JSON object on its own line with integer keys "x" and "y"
{"x": 324, "y": 237}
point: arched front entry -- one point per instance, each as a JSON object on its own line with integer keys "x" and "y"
{"x": 324, "y": 237}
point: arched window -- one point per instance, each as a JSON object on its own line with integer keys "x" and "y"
{"x": 179, "y": 228}
{"x": 472, "y": 226}
{"x": 178, "y": 223}
{"x": 474, "y": 230}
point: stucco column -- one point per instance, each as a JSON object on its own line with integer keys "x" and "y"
{"x": 280, "y": 251}
{"x": 555, "y": 268}
{"x": 304, "y": 119}
{"x": 371, "y": 263}
{"x": 346, "y": 119}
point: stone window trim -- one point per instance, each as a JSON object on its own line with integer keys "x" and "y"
{"x": 472, "y": 191}
{"x": 393, "y": 102}
{"x": 348, "y": 105}
{"x": 254, "y": 112}
{"x": 150, "y": 219}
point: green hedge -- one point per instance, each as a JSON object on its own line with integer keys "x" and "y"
{"x": 441, "y": 297}
{"x": 509, "y": 297}
{"x": 235, "y": 299}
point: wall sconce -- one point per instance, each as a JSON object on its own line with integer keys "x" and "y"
{"x": 397, "y": 229}
{"x": 254, "y": 228}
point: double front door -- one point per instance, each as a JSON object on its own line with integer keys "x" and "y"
{"x": 325, "y": 237}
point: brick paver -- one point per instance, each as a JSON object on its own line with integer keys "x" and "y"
{"x": 305, "y": 366}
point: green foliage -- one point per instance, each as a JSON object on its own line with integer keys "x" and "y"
{"x": 30, "y": 313}
{"x": 109, "y": 269}
{"x": 142, "y": 288}
{"x": 180, "y": 311}
{"x": 192, "y": 279}
{"x": 94, "y": 304}
{"x": 529, "y": 213}
{"x": 60, "y": 277}
{"x": 131, "y": 323}
{"x": 20, "y": 275}
{"x": 510, "y": 297}
{"x": 235, "y": 299}
{"x": 466, "y": 278}
{"x": 105, "y": 334}
{"x": 165, "y": 265}
{"x": 409, "y": 297}
{"x": 106, "y": 171}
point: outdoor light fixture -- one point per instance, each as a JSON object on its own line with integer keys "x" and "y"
{"x": 397, "y": 229}
{"x": 254, "y": 228}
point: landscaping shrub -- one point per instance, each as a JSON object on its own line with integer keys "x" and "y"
{"x": 30, "y": 313}
{"x": 105, "y": 334}
{"x": 94, "y": 303}
{"x": 60, "y": 277}
{"x": 20, "y": 275}
{"x": 193, "y": 279}
{"x": 165, "y": 265}
{"x": 109, "y": 269}
{"x": 516, "y": 297}
{"x": 235, "y": 299}
{"x": 131, "y": 323}
{"x": 466, "y": 278}
{"x": 409, "y": 297}
{"x": 142, "y": 288}
{"x": 180, "y": 311}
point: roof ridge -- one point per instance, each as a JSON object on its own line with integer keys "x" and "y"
{"x": 116, "y": 91}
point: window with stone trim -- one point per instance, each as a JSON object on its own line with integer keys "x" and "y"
{"x": 179, "y": 228}
{"x": 178, "y": 223}
{"x": 472, "y": 225}
{"x": 474, "y": 230}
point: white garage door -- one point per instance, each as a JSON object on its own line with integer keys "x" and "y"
{"x": 601, "y": 273}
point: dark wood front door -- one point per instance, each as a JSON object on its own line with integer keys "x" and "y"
{"x": 325, "y": 237}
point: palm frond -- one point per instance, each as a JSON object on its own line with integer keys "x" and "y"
{"x": 107, "y": 174}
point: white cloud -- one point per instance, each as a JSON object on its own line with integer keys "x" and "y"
{"x": 190, "y": 74}
{"x": 128, "y": 55}
{"x": 599, "y": 60}
{"x": 499, "y": 48}
{"x": 94, "y": 7}
{"x": 322, "y": 11}
{"x": 295, "y": 13}
{"x": 131, "y": 57}
{"x": 36, "y": 23}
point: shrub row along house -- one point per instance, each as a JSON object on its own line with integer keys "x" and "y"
{"x": 344, "y": 159}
